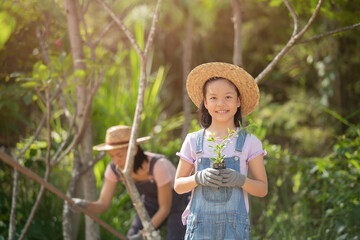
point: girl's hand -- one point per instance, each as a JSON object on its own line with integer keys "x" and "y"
{"x": 209, "y": 177}
{"x": 231, "y": 178}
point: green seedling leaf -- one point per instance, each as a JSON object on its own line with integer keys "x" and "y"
{"x": 219, "y": 148}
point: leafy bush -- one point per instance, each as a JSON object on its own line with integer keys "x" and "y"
{"x": 48, "y": 219}
{"x": 311, "y": 198}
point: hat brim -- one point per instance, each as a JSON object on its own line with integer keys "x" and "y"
{"x": 107, "y": 147}
{"x": 245, "y": 83}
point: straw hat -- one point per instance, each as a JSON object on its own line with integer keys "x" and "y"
{"x": 245, "y": 83}
{"x": 118, "y": 137}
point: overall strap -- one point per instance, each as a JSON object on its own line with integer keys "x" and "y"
{"x": 113, "y": 168}
{"x": 152, "y": 164}
{"x": 199, "y": 140}
{"x": 240, "y": 141}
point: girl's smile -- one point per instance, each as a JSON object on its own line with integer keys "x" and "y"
{"x": 222, "y": 111}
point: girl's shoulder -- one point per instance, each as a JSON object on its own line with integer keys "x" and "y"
{"x": 191, "y": 137}
{"x": 252, "y": 139}
{"x": 201, "y": 131}
{"x": 253, "y": 147}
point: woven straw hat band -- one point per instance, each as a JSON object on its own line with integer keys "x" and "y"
{"x": 245, "y": 83}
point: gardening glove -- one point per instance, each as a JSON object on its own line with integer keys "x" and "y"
{"x": 231, "y": 178}
{"x": 137, "y": 236}
{"x": 208, "y": 177}
{"x": 77, "y": 205}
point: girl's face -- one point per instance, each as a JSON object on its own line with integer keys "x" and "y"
{"x": 118, "y": 156}
{"x": 222, "y": 101}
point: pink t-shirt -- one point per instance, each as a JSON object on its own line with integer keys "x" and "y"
{"x": 251, "y": 149}
{"x": 163, "y": 172}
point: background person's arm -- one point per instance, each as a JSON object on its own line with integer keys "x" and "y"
{"x": 104, "y": 201}
{"x": 165, "y": 202}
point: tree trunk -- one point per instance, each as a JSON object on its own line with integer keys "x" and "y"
{"x": 12, "y": 224}
{"x": 237, "y": 54}
{"x": 186, "y": 63}
{"x": 87, "y": 179}
{"x": 237, "y": 20}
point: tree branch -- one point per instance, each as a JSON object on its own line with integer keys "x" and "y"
{"x": 67, "y": 222}
{"x": 106, "y": 30}
{"x": 151, "y": 35}
{"x": 289, "y": 44}
{"x": 186, "y": 67}
{"x": 64, "y": 105}
{"x": 150, "y": 232}
{"x": 83, "y": 8}
{"x": 108, "y": 27}
{"x": 329, "y": 33}
{"x": 41, "y": 97}
{"x": 12, "y": 223}
{"x": 129, "y": 35}
{"x": 86, "y": 112}
{"x": 89, "y": 165}
{"x": 48, "y": 111}
{"x": 294, "y": 16}
{"x": 311, "y": 20}
{"x": 72, "y": 125}
{"x": 43, "y": 51}
{"x": 36, "y": 134}
{"x": 36, "y": 205}
{"x": 62, "y": 146}
{"x": 47, "y": 171}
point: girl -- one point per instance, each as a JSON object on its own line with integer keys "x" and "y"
{"x": 219, "y": 206}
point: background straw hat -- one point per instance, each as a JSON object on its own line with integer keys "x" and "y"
{"x": 249, "y": 90}
{"x": 118, "y": 137}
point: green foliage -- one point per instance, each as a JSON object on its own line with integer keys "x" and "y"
{"x": 115, "y": 102}
{"x": 311, "y": 198}
{"x": 48, "y": 218}
{"x": 18, "y": 109}
{"x": 10, "y": 112}
{"x": 7, "y": 26}
{"x": 297, "y": 123}
{"x": 308, "y": 102}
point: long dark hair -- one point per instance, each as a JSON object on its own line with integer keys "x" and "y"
{"x": 140, "y": 157}
{"x": 205, "y": 118}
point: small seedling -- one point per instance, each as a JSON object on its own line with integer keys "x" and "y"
{"x": 218, "y": 148}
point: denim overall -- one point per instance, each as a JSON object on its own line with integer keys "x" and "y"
{"x": 149, "y": 196}
{"x": 218, "y": 213}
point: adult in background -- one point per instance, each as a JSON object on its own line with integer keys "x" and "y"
{"x": 153, "y": 175}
